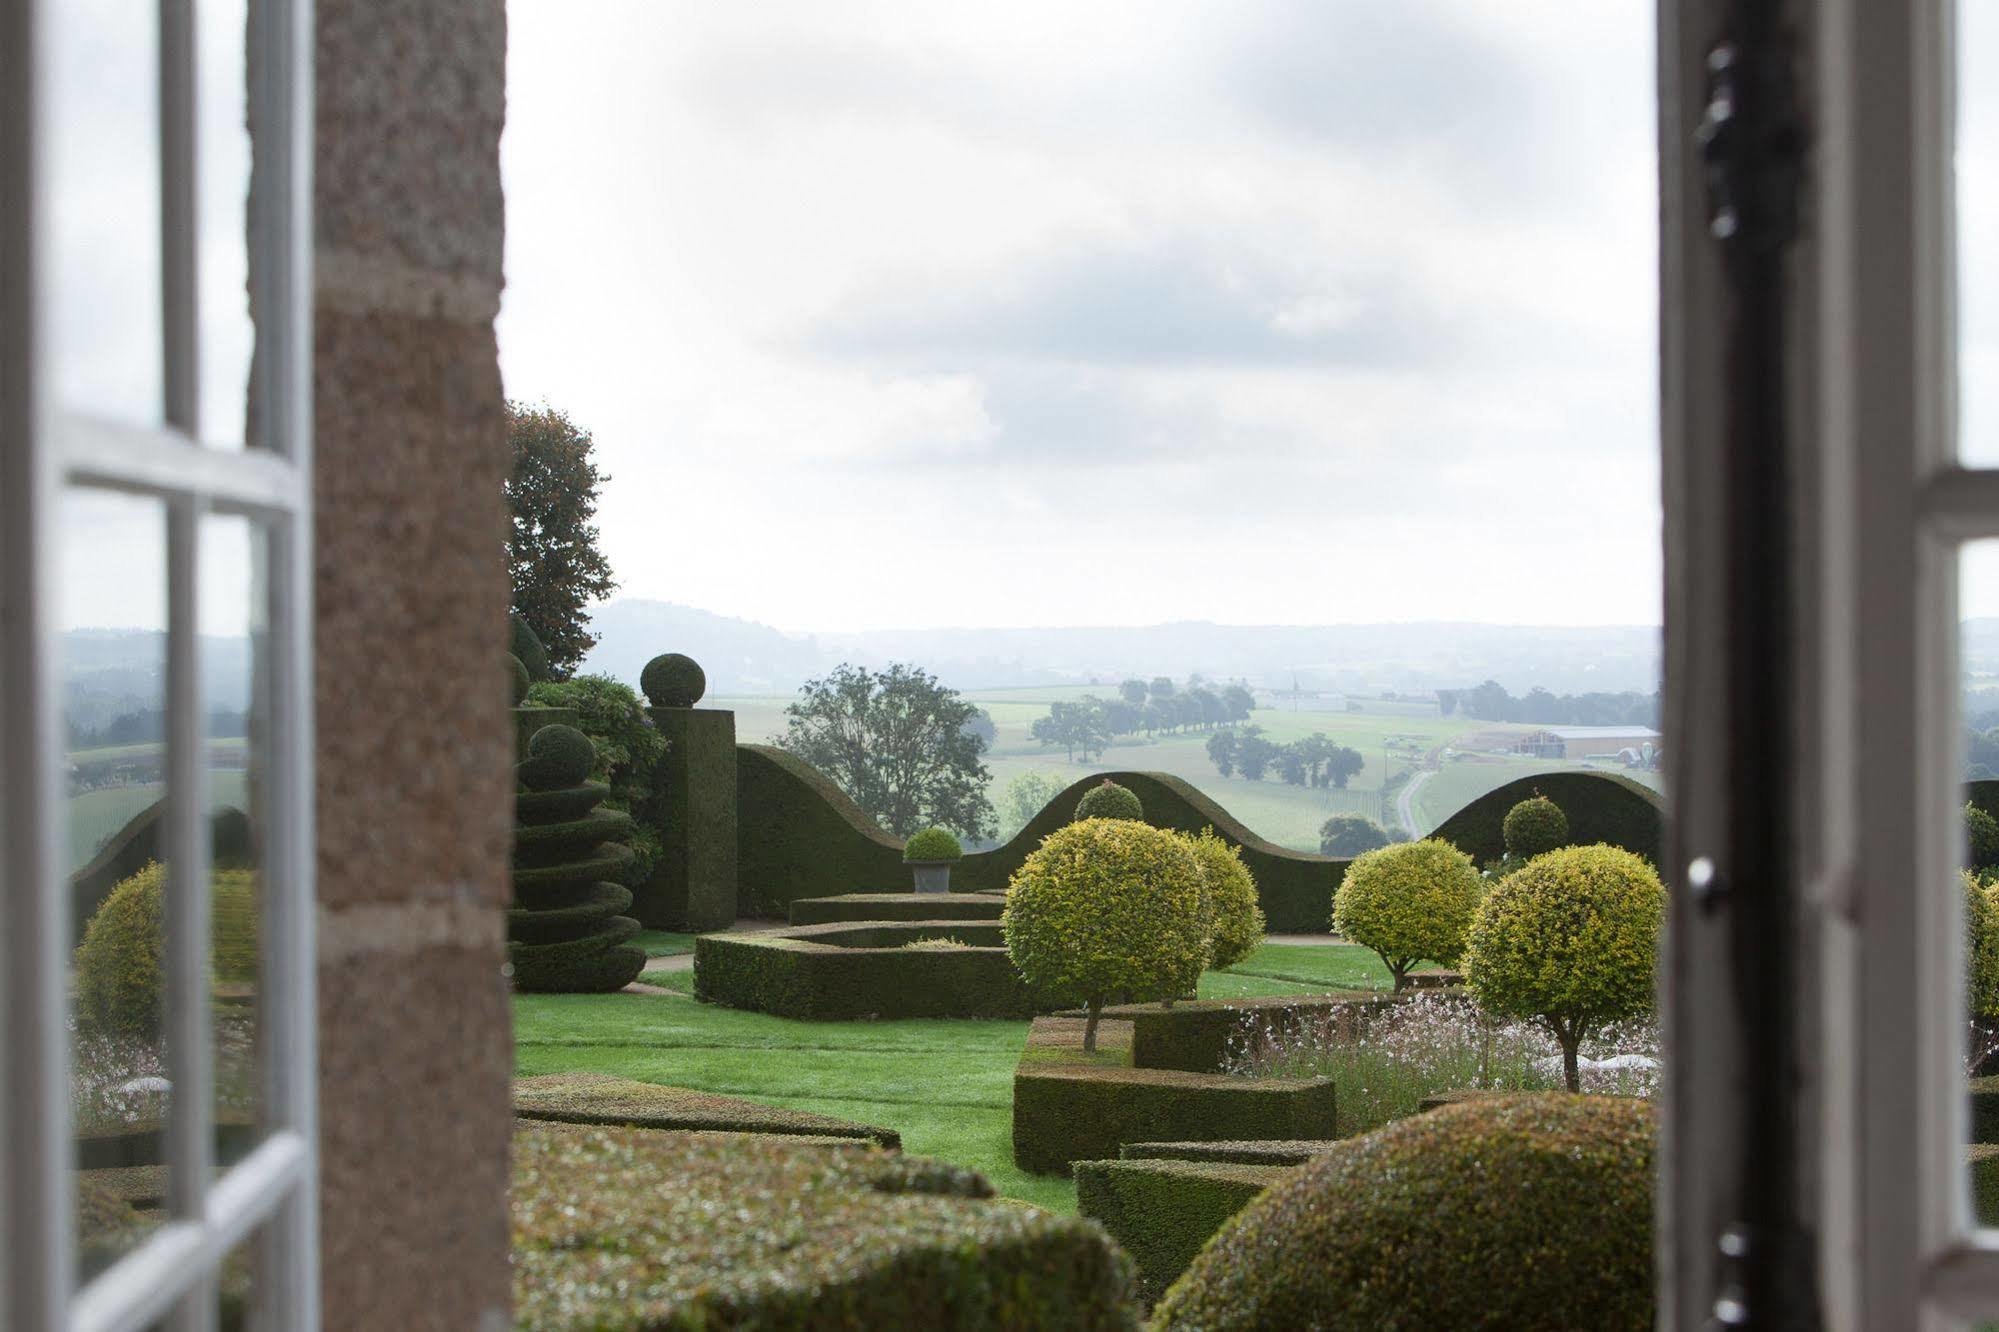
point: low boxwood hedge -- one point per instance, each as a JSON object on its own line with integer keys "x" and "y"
{"x": 620, "y": 1230}
{"x": 897, "y": 906}
{"x": 1983, "y": 1158}
{"x": 1162, "y": 1211}
{"x": 1514, "y": 1212}
{"x": 1255, "y": 1151}
{"x": 1985, "y": 1109}
{"x": 600, "y": 1098}
{"x": 860, "y": 969}
{"x": 1198, "y": 1036}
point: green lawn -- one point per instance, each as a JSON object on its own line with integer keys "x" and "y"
{"x": 663, "y": 943}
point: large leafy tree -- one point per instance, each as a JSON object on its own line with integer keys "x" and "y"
{"x": 896, "y": 741}
{"x": 552, "y": 552}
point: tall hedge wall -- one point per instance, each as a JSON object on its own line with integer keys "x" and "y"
{"x": 1601, "y": 807}
{"x": 798, "y": 835}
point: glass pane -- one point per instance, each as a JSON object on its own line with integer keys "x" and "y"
{"x": 114, "y": 658}
{"x": 1978, "y": 880}
{"x": 1978, "y": 233}
{"x": 223, "y": 151}
{"x": 105, "y": 202}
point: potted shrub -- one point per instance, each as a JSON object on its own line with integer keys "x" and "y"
{"x": 929, "y": 855}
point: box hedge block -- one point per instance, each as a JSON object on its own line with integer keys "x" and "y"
{"x": 798, "y": 835}
{"x": 1257, "y": 1151}
{"x": 693, "y": 885}
{"x": 861, "y": 969}
{"x": 1162, "y": 1211}
{"x": 600, "y": 1098}
{"x": 897, "y": 906}
{"x": 1202, "y": 1035}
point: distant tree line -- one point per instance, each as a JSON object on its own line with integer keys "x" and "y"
{"x": 1314, "y": 761}
{"x": 149, "y": 726}
{"x": 1539, "y": 707}
{"x": 1088, "y": 725}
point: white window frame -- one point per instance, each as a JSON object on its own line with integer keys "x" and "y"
{"x": 272, "y": 1194}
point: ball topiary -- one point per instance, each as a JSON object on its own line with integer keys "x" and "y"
{"x": 1408, "y": 902}
{"x": 120, "y": 970}
{"x": 1571, "y": 939}
{"x": 520, "y": 679}
{"x": 558, "y": 757}
{"x": 932, "y": 844}
{"x": 1109, "y": 801}
{"x": 1981, "y": 834}
{"x": 1349, "y": 835}
{"x": 673, "y": 680}
{"x": 1981, "y": 947}
{"x": 1107, "y": 906}
{"x": 526, "y": 645}
{"x": 1534, "y": 826}
{"x": 1235, "y": 921}
{"x": 1513, "y": 1212}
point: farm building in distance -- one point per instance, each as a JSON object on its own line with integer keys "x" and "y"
{"x": 1590, "y": 742}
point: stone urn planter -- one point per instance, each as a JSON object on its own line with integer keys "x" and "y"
{"x": 930, "y": 855}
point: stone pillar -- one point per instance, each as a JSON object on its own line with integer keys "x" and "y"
{"x": 694, "y": 885}
{"x": 415, "y": 756}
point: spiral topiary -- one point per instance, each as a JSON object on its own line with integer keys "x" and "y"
{"x": 520, "y": 678}
{"x": 932, "y": 844}
{"x": 559, "y": 757}
{"x": 1235, "y": 921}
{"x": 526, "y": 645}
{"x": 1508, "y": 1212}
{"x": 1533, "y": 827}
{"x": 1107, "y": 906}
{"x": 1408, "y": 902}
{"x": 1109, "y": 801}
{"x": 120, "y": 968}
{"x": 673, "y": 680}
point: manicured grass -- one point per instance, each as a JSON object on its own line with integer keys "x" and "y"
{"x": 663, "y": 943}
{"x": 1316, "y": 967}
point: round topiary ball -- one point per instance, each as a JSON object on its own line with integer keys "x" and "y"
{"x": 1981, "y": 947}
{"x": 1515, "y": 1212}
{"x": 521, "y": 681}
{"x": 1408, "y": 902}
{"x": 1235, "y": 921}
{"x": 1535, "y": 826}
{"x": 559, "y": 757}
{"x": 673, "y": 680}
{"x": 120, "y": 970}
{"x": 1109, "y": 801}
{"x": 526, "y": 645}
{"x": 1981, "y": 834}
{"x": 932, "y": 844}
{"x": 1104, "y": 907}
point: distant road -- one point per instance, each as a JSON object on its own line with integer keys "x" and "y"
{"x": 1405, "y": 807}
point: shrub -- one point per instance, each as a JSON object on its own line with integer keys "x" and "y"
{"x": 1108, "y": 800}
{"x": 558, "y": 757}
{"x": 1533, "y": 827}
{"x": 1514, "y": 1212}
{"x": 520, "y": 679}
{"x": 526, "y": 648}
{"x": 897, "y": 906}
{"x": 1349, "y": 835}
{"x": 1981, "y": 948}
{"x": 1408, "y": 903}
{"x": 1235, "y": 921}
{"x": 1571, "y": 940}
{"x": 932, "y": 844}
{"x": 1981, "y": 833}
{"x": 628, "y": 750}
{"x": 1106, "y": 906}
{"x": 673, "y": 680}
{"x": 120, "y": 968}
{"x": 1162, "y": 1211}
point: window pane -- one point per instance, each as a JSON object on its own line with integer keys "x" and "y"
{"x": 105, "y": 204}
{"x": 223, "y": 151}
{"x": 1978, "y": 816}
{"x": 1978, "y": 233}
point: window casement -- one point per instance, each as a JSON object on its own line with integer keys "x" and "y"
{"x": 57, "y": 445}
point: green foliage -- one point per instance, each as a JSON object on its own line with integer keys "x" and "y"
{"x": 601, "y": 1098}
{"x": 932, "y": 844}
{"x": 1981, "y": 948}
{"x": 895, "y": 742}
{"x": 1108, "y": 800}
{"x": 847, "y": 971}
{"x": 120, "y": 967}
{"x": 525, "y": 647}
{"x": 520, "y": 680}
{"x": 1513, "y": 1212}
{"x": 1601, "y": 807}
{"x": 1084, "y": 725}
{"x": 558, "y": 757}
{"x": 1025, "y": 795}
{"x": 1350, "y": 835}
{"x": 1981, "y": 832}
{"x": 1199, "y": 1037}
{"x": 1235, "y": 921}
{"x": 896, "y": 906}
{"x": 620, "y": 1230}
{"x": 552, "y": 554}
{"x": 1409, "y": 902}
{"x": 1537, "y": 825}
{"x": 673, "y": 680}
{"x": 1162, "y": 1211}
{"x": 1571, "y": 939}
{"x": 800, "y": 836}
{"x": 1252, "y": 1151}
{"x": 628, "y": 752}
{"x": 1107, "y": 906}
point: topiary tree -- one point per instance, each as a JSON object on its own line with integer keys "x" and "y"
{"x": 1533, "y": 827}
{"x": 1109, "y": 801}
{"x": 673, "y": 680}
{"x": 932, "y": 844}
{"x": 519, "y": 672}
{"x": 1507, "y": 1212}
{"x": 1107, "y": 906}
{"x": 558, "y": 756}
{"x": 1235, "y": 920}
{"x": 525, "y": 645}
{"x": 1408, "y": 903}
{"x": 1981, "y": 835}
{"x": 120, "y": 968}
{"x": 1349, "y": 835}
{"x": 1570, "y": 940}
{"x": 1981, "y": 948}
{"x": 628, "y": 747}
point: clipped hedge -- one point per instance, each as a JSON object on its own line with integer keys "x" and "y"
{"x": 932, "y": 844}
{"x": 1070, "y": 1107}
{"x": 1983, "y": 1160}
{"x": 861, "y": 969}
{"x": 1601, "y": 807}
{"x": 619, "y": 1230}
{"x": 1514, "y": 1212}
{"x": 565, "y": 933}
{"x": 120, "y": 967}
{"x": 1197, "y": 1036}
{"x": 1985, "y": 1109}
{"x": 897, "y": 906}
{"x": 1108, "y": 800}
{"x": 1253, "y": 1151}
{"x": 600, "y": 1098}
{"x": 798, "y": 835}
{"x": 1162, "y": 1211}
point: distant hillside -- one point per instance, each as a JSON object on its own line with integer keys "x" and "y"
{"x": 739, "y": 656}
